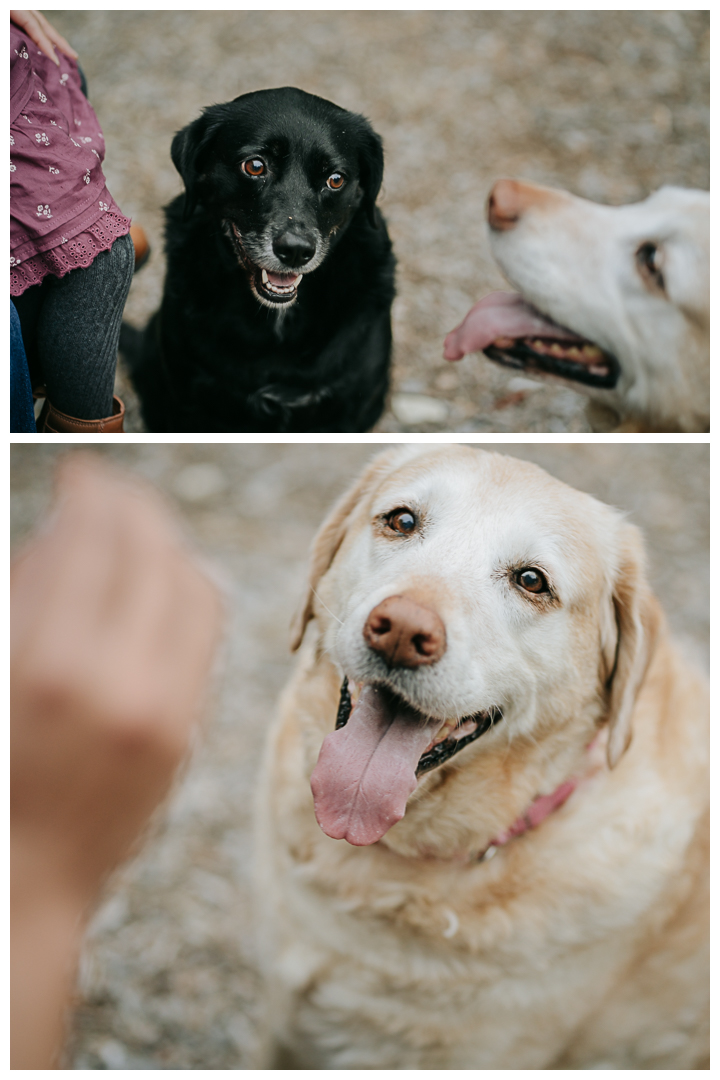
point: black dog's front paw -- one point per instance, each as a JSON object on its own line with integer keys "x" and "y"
{"x": 279, "y": 405}
{"x": 270, "y": 407}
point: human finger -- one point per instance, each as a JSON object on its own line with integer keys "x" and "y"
{"x": 59, "y": 582}
{"x": 30, "y": 23}
{"x": 164, "y": 627}
{"x": 55, "y": 36}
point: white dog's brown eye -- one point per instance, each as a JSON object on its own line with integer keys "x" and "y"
{"x": 254, "y": 167}
{"x": 649, "y": 259}
{"x": 401, "y": 521}
{"x": 531, "y": 580}
{"x": 335, "y": 181}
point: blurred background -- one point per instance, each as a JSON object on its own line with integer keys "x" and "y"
{"x": 168, "y": 978}
{"x": 609, "y": 104}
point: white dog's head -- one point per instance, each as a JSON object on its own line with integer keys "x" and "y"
{"x": 472, "y": 601}
{"x": 629, "y": 283}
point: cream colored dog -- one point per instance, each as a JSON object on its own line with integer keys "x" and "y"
{"x": 620, "y": 301}
{"x": 498, "y": 859}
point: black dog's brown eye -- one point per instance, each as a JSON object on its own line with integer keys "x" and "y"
{"x": 649, "y": 260}
{"x": 401, "y": 521}
{"x": 335, "y": 181}
{"x": 531, "y": 580}
{"x": 254, "y": 167}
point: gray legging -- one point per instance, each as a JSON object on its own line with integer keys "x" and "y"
{"x": 70, "y": 328}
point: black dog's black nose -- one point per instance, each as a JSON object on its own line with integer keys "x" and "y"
{"x": 293, "y": 250}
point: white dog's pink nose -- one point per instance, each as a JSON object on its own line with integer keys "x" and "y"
{"x": 405, "y": 633}
{"x": 509, "y": 199}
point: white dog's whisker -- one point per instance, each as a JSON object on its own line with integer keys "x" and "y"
{"x": 317, "y": 597}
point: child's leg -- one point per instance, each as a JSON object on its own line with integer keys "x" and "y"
{"x": 77, "y": 331}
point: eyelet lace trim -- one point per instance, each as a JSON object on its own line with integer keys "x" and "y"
{"x": 80, "y": 251}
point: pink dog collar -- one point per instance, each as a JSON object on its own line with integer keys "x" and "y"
{"x": 544, "y": 805}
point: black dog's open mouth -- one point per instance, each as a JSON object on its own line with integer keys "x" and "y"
{"x": 584, "y": 363}
{"x": 276, "y": 288}
{"x": 448, "y": 741}
{"x": 270, "y": 287}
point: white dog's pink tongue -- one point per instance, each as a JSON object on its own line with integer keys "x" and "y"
{"x": 365, "y": 773}
{"x": 501, "y": 315}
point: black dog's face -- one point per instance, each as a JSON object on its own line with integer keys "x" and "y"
{"x": 285, "y": 172}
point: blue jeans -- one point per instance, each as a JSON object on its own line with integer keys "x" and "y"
{"x": 22, "y": 413}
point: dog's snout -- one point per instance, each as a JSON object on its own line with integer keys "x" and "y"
{"x": 505, "y": 205}
{"x": 405, "y": 633}
{"x": 293, "y": 250}
{"x": 509, "y": 200}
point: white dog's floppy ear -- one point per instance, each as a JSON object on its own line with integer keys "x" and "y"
{"x": 639, "y": 619}
{"x": 330, "y": 537}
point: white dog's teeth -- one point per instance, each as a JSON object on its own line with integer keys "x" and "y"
{"x": 466, "y": 728}
{"x": 264, "y": 277}
{"x": 298, "y": 279}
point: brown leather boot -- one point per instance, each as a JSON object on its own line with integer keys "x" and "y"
{"x": 141, "y": 245}
{"x": 51, "y": 419}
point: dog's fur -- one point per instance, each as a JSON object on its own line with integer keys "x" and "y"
{"x": 582, "y": 943}
{"x": 577, "y": 261}
{"x": 224, "y": 353}
{"x": 585, "y": 266}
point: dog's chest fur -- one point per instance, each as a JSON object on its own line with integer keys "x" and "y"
{"x": 380, "y": 961}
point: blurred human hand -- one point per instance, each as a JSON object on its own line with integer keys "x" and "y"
{"x": 43, "y": 33}
{"x": 113, "y": 631}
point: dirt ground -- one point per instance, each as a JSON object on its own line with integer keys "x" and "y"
{"x": 168, "y": 978}
{"x": 609, "y": 104}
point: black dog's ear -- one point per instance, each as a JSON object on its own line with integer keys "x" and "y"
{"x": 187, "y": 151}
{"x": 371, "y": 170}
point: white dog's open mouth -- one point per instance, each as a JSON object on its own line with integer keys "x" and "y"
{"x": 272, "y": 288}
{"x": 512, "y": 332}
{"x": 368, "y": 768}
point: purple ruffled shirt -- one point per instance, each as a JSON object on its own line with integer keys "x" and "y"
{"x": 61, "y": 213}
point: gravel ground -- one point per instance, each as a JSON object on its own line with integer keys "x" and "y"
{"x": 609, "y": 104}
{"x": 168, "y": 977}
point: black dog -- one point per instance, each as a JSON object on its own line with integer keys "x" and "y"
{"x": 276, "y": 309}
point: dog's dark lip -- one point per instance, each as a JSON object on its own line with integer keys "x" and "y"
{"x": 601, "y": 370}
{"x": 441, "y": 751}
{"x": 269, "y": 293}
